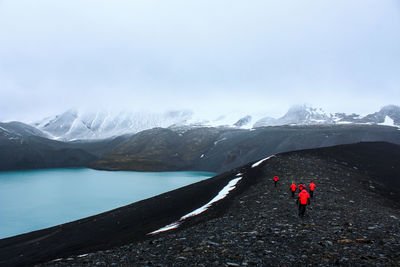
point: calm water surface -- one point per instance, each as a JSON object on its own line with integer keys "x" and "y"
{"x": 36, "y": 199}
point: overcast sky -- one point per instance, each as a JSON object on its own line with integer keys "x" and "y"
{"x": 207, "y": 56}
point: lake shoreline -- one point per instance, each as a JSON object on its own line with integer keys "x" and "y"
{"x": 39, "y": 199}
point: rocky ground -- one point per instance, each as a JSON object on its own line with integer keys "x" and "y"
{"x": 349, "y": 222}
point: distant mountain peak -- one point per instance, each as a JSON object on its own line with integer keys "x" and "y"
{"x": 298, "y": 115}
{"x": 390, "y": 108}
{"x": 243, "y": 121}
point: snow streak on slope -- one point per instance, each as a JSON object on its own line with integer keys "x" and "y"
{"x": 261, "y": 161}
{"x": 221, "y": 195}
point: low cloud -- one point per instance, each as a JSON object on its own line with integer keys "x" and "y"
{"x": 207, "y": 56}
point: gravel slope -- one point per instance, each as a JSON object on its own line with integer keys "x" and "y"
{"x": 348, "y": 222}
{"x": 354, "y": 218}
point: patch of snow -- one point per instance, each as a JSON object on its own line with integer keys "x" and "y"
{"x": 4, "y": 129}
{"x": 344, "y": 122}
{"x": 83, "y": 255}
{"x": 261, "y": 161}
{"x": 221, "y": 195}
{"x": 393, "y": 217}
{"x": 388, "y": 121}
{"x": 202, "y": 156}
{"x": 239, "y": 174}
{"x": 318, "y": 121}
{"x": 220, "y": 140}
{"x": 168, "y": 227}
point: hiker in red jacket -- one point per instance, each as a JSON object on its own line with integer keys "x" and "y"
{"x": 303, "y": 199}
{"x": 293, "y": 188}
{"x": 276, "y": 179}
{"x": 301, "y": 187}
{"x": 312, "y": 187}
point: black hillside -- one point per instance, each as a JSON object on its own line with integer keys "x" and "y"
{"x": 353, "y": 219}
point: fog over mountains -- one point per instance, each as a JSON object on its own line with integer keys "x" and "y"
{"x": 81, "y": 125}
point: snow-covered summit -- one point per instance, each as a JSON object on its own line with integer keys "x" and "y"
{"x": 298, "y": 115}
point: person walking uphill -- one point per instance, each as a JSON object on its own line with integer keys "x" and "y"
{"x": 303, "y": 199}
{"x": 293, "y": 188}
{"x": 312, "y": 187}
{"x": 301, "y": 187}
{"x": 276, "y": 179}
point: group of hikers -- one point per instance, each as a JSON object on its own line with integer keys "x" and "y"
{"x": 303, "y": 198}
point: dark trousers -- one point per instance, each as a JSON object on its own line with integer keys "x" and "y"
{"x": 302, "y": 209}
{"x": 275, "y": 183}
{"x": 311, "y": 193}
{"x": 293, "y": 193}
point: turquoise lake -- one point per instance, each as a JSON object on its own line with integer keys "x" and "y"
{"x": 36, "y": 199}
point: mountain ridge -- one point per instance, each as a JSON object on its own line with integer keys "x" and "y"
{"x": 220, "y": 149}
{"x": 178, "y": 148}
{"x": 88, "y": 125}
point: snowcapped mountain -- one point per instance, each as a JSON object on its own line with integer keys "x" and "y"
{"x": 388, "y": 116}
{"x": 73, "y": 124}
{"x": 79, "y": 125}
{"x": 298, "y": 115}
{"x": 306, "y": 115}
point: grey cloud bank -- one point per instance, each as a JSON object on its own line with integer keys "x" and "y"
{"x": 208, "y": 56}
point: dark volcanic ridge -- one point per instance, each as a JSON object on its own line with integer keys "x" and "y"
{"x": 221, "y": 149}
{"x": 159, "y": 149}
{"x": 354, "y": 218}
